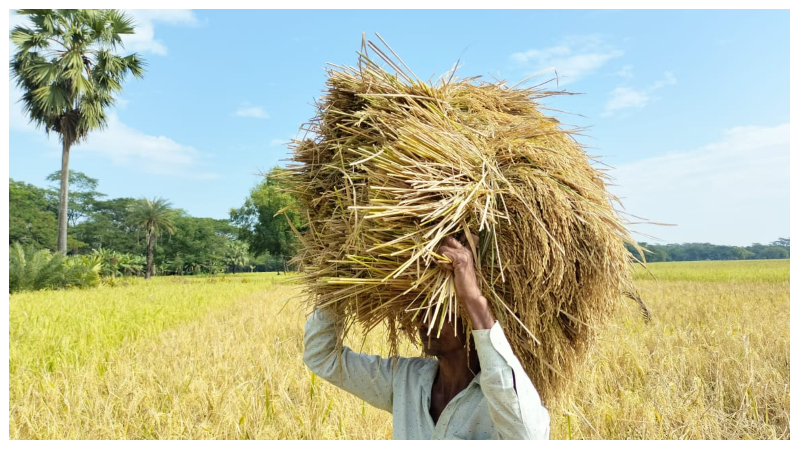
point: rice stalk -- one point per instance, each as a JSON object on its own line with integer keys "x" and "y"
{"x": 393, "y": 165}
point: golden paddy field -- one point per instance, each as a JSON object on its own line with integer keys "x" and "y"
{"x": 221, "y": 358}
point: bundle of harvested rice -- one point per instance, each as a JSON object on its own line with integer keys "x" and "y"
{"x": 394, "y": 165}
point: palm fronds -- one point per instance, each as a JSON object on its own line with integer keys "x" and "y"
{"x": 30, "y": 270}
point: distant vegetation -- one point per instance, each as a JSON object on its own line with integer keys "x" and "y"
{"x": 708, "y": 252}
{"x": 31, "y": 269}
{"x": 121, "y": 233}
{"x": 114, "y": 232}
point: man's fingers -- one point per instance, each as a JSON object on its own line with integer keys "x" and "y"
{"x": 458, "y": 257}
{"x": 458, "y": 254}
{"x": 445, "y": 265}
{"x": 446, "y": 252}
{"x": 462, "y": 241}
{"x": 449, "y": 253}
{"x": 450, "y": 241}
{"x": 448, "y": 246}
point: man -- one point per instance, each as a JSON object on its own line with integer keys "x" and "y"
{"x": 482, "y": 393}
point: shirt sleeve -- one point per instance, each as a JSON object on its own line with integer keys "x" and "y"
{"x": 368, "y": 377}
{"x": 516, "y": 414}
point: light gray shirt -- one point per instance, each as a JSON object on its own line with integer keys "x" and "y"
{"x": 489, "y": 408}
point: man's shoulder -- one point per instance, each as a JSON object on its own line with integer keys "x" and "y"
{"x": 412, "y": 373}
{"x": 411, "y": 365}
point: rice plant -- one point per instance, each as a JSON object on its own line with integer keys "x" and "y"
{"x": 394, "y": 165}
{"x": 221, "y": 358}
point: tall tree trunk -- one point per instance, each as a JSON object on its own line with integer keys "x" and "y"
{"x": 149, "y": 268}
{"x": 61, "y": 245}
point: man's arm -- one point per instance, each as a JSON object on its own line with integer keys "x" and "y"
{"x": 514, "y": 404}
{"x": 368, "y": 377}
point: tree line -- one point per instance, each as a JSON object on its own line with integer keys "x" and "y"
{"x": 254, "y": 238}
{"x": 778, "y": 249}
{"x": 146, "y": 237}
{"x": 168, "y": 239}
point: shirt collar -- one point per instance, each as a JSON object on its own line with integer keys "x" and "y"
{"x": 427, "y": 372}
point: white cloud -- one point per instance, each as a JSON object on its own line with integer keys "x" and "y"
{"x": 143, "y": 40}
{"x": 252, "y": 111}
{"x": 626, "y": 72}
{"x": 573, "y": 58}
{"x": 734, "y": 192}
{"x": 160, "y": 155}
{"x": 627, "y": 97}
{"x": 623, "y": 97}
{"x": 543, "y": 54}
{"x": 668, "y": 80}
{"x": 126, "y": 146}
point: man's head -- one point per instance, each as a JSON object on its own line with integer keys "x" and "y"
{"x": 451, "y": 339}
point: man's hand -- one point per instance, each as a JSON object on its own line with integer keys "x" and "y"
{"x": 468, "y": 290}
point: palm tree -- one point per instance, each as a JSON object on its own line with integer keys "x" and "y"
{"x": 236, "y": 254}
{"x": 68, "y": 71}
{"x": 154, "y": 216}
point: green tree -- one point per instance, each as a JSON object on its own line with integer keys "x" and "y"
{"x": 783, "y": 243}
{"x": 30, "y": 218}
{"x": 774, "y": 252}
{"x": 198, "y": 244}
{"x": 264, "y": 218}
{"x": 652, "y": 253}
{"x": 703, "y": 251}
{"x": 742, "y": 253}
{"x": 756, "y": 250}
{"x": 236, "y": 255}
{"x": 154, "y": 216}
{"x": 82, "y": 195}
{"x": 109, "y": 226}
{"x": 68, "y": 70}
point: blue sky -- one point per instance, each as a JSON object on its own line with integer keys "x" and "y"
{"x": 690, "y": 108}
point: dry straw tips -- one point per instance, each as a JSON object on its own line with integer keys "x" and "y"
{"x": 393, "y": 165}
